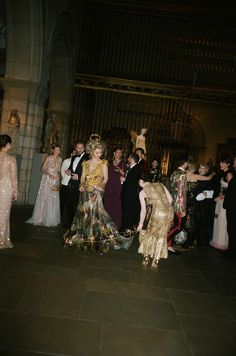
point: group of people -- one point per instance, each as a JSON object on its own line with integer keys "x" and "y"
{"x": 105, "y": 203}
{"x": 204, "y": 206}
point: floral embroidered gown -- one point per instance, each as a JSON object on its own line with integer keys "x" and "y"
{"x": 8, "y": 185}
{"x": 91, "y": 222}
{"x": 47, "y": 206}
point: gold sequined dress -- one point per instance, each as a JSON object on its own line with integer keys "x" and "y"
{"x": 8, "y": 185}
{"x": 153, "y": 240}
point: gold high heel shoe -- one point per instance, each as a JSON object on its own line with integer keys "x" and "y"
{"x": 145, "y": 261}
{"x": 154, "y": 263}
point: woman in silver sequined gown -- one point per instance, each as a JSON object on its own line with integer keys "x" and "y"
{"x": 47, "y": 206}
{"x": 8, "y": 189}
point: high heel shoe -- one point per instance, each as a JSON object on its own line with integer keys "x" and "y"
{"x": 145, "y": 261}
{"x": 155, "y": 263}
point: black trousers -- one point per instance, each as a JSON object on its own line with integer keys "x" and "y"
{"x": 63, "y": 196}
{"x": 71, "y": 201}
{"x": 231, "y": 228}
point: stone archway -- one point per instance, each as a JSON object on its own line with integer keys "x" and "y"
{"x": 61, "y": 70}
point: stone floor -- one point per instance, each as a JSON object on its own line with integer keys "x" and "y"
{"x": 54, "y": 301}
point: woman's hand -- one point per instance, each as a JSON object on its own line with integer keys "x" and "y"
{"x": 81, "y": 188}
{"x": 100, "y": 189}
{"x": 14, "y": 196}
{"x": 139, "y": 227}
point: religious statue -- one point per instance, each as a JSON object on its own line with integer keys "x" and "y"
{"x": 140, "y": 140}
{"x": 133, "y": 138}
{"x": 51, "y": 133}
{"x": 13, "y": 126}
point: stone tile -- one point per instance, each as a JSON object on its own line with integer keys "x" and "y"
{"x": 53, "y": 295}
{"x": 102, "y": 273}
{"x": 120, "y": 340}
{"x": 57, "y": 247}
{"x": 6, "y": 261}
{"x": 45, "y": 269}
{"x": 200, "y": 305}
{"x": 64, "y": 261}
{"x": 11, "y": 352}
{"x": 129, "y": 310}
{"x": 106, "y": 261}
{"x": 166, "y": 279}
{"x": 229, "y": 304}
{"x": 126, "y": 289}
{"x": 24, "y": 250}
{"x": 9, "y": 300}
{"x": 223, "y": 283}
{"x": 49, "y": 335}
{"x": 15, "y": 281}
{"x": 210, "y": 337}
{"x": 171, "y": 264}
{"x": 207, "y": 262}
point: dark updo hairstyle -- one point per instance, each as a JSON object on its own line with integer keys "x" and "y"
{"x": 4, "y": 140}
{"x": 181, "y": 160}
{"x": 134, "y": 156}
{"x": 226, "y": 159}
{"x": 140, "y": 149}
{"x": 145, "y": 177}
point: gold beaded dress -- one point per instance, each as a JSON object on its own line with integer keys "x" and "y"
{"x": 153, "y": 240}
{"x": 8, "y": 186}
{"x": 92, "y": 226}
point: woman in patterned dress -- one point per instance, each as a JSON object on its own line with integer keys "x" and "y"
{"x": 8, "y": 189}
{"x": 92, "y": 226}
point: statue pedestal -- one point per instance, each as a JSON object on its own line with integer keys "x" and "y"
{"x": 36, "y": 175}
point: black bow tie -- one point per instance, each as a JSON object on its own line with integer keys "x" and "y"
{"x": 78, "y": 156}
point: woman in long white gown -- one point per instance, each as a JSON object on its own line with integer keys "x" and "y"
{"x": 8, "y": 189}
{"x": 220, "y": 235}
{"x": 47, "y": 206}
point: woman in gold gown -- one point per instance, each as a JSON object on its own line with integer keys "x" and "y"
{"x": 92, "y": 226}
{"x": 8, "y": 189}
{"x": 156, "y": 209}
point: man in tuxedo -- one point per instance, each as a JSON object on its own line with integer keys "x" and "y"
{"x": 130, "y": 194}
{"x": 74, "y": 171}
{"x": 230, "y": 206}
{"x": 141, "y": 161}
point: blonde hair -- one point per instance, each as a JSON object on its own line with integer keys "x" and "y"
{"x": 94, "y": 144}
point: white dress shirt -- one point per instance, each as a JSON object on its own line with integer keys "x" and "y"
{"x": 65, "y": 165}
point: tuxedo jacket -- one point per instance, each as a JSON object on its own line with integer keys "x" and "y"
{"x": 74, "y": 184}
{"x": 230, "y": 198}
{"x": 130, "y": 186}
{"x": 143, "y": 166}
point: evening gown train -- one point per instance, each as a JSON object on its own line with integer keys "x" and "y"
{"x": 91, "y": 223}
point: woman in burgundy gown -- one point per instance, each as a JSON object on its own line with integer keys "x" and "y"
{"x": 112, "y": 203}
